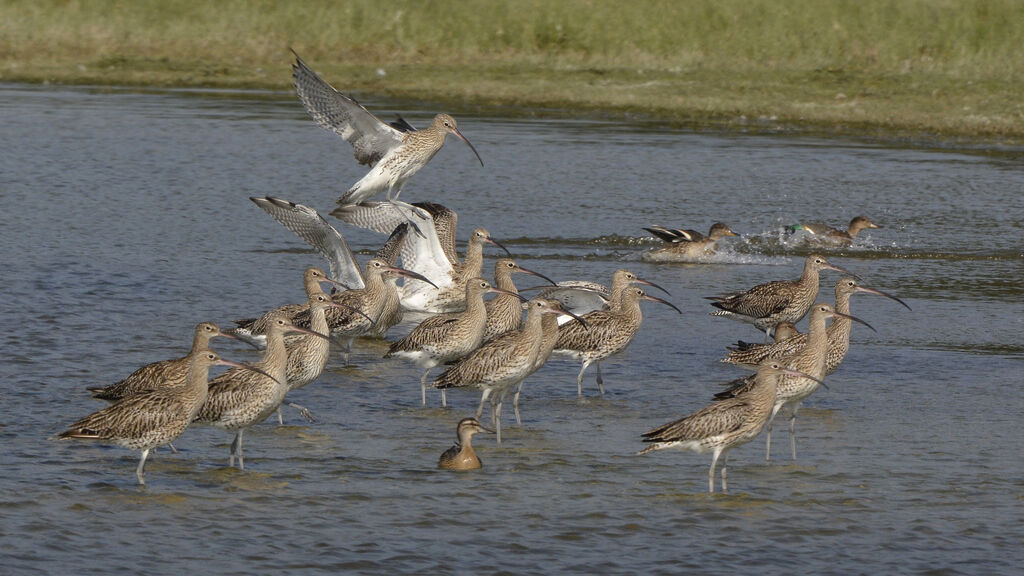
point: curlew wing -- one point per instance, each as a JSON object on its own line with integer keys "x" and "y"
{"x": 422, "y": 253}
{"x": 712, "y": 420}
{"x": 577, "y": 296}
{"x": 761, "y": 301}
{"x": 309, "y": 225}
{"x": 370, "y": 138}
{"x": 753, "y": 354}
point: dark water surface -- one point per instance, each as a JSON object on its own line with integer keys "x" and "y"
{"x": 125, "y": 222}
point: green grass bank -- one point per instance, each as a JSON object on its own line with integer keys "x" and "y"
{"x": 921, "y": 68}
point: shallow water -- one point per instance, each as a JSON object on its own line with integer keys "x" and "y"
{"x": 126, "y": 222}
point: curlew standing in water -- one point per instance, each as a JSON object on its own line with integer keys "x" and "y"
{"x": 461, "y": 456}
{"x": 505, "y": 311}
{"x": 368, "y": 311}
{"x": 163, "y": 374}
{"x": 810, "y": 360}
{"x": 685, "y": 245}
{"x": 721, "y": 426}
{"x": 838, "y": 333}
{"x": 254, "y": 330}
{"x": 239, "y": 399}
{"x": 445, "y": 337}
{"x": 583, "y": 296}
{"x": 765, "y": 305}
{"x": 308, "y": 352}
{"x": 606, "y": 332}
{"x": 500, "y": 364}
{"x": 153, "y": 418}
{"x": 823, "y": 234}
{"x": 394, "y": 151}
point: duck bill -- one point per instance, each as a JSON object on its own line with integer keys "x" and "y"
{"x": 350, "y": 309}
{"x": 649, "y": 283}
{"x": 665, "y": 302}
{"x": 471, "y": 147}
{"x": 537, "y": 274}
{"x": 855, "y": 319}
{"x": 488, "y": 430}
{"x": 498, "y": 244}
{"x": 248, "y": 367}
{"x": 880, "y": 293}
{"x": 411, "y": 274}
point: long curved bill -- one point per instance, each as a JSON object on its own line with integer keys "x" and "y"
{"x": 226, "y": 334}
{"x": 294, "y": 328}
{"x": 855, "y": 319}
{"x": 471, "y": 147}
{"x": 498, "y": 244}
{"x": 665, "y": 302}
{"x": 832, "y": 266}
{"x": 248, "y": 367}
{"x": 649, "y": 283}
{"x": 410, "y": 274}
{"x": 880, "y": 293}
{"x": 335, "y": 282}
{"x": 794, "y": 372}
{"x": 350, "y": 309}
{"x": 537, "y": 274}
{"x": 575, "y": 317}
{"x": 503, "y": 291}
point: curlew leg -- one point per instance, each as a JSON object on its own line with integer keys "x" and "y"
{"x": 483, "y": 398}
{"x": 579, "y": 379}
{"x": 444, "y": 398}
{"x": 423, "y": 386}
{"x": 600, "y": 381}
{"x": 725, "y": 466}
{"x": 711, "y": 471}
{"x": 173, "y": 449}
{"x": 792, "y": 431}
{"x": 497, "y": 421}
{"x": 302, "y": 410}
{"x": 515, "y": 404}
{"x": 768, "y": 433}
{"x": 236, "y": 449}
{"x": 280, "y": 418}
{"x": 142, "y": 464}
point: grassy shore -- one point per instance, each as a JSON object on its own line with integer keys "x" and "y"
{"x": 924, "y": 68}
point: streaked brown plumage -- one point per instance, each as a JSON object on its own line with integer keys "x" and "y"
{"x": 378, "y": 300}
{"x": 238, "y": 399}
{"x": 152, "y": 418}
{"x": 721, "y": 426}
{"x": 838, "y": 333}
{"x": 254, "y": 330}
{"x": 685, "y": 245}
{"x": 810, "y": 360}
{"x": 505, "y": 312}
{"x": 445, "y": 337}
{"x": 765, "y": 305}
{"x": 606, "y": 332}
{"x": 163, "y": 374}
{"x": 582, "y": 296}
{"x": 500, "y": 364}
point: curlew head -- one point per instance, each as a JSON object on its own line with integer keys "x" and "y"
{"x": 636, "y": 294}
{"x": 447, "y": 124}
{"x": 849, "y": 285}
{"x": 818, "y": 262}
{"x": 631, "y": 278}
{"x": 508, "y": 265}
{"x": 481, "y": 235}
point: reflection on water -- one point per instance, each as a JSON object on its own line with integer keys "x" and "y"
{"x": 126, "y": 222}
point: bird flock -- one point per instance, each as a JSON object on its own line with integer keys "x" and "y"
{"x": 491, "y": 346}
